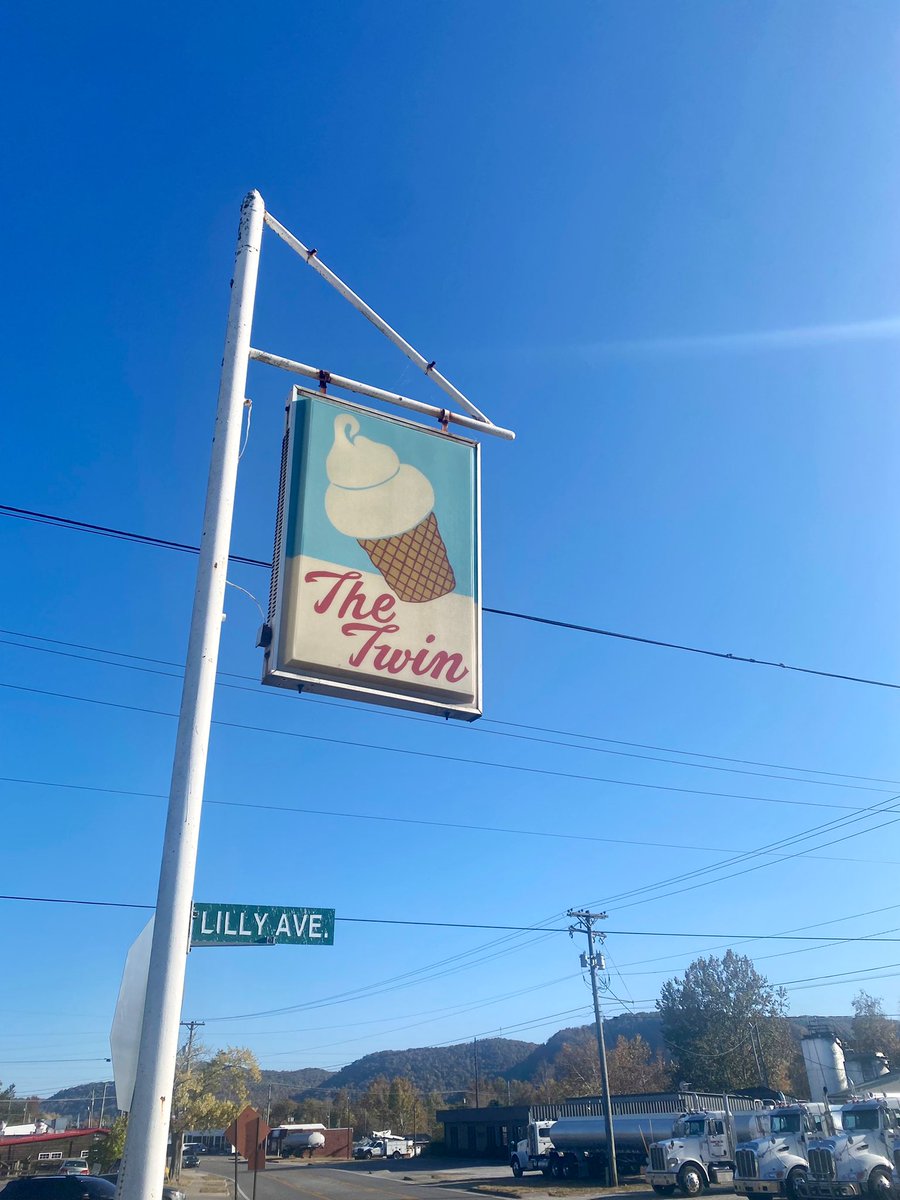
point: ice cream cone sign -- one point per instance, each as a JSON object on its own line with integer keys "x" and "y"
{"x": 377, "y": 576}
{"x": 388, "y": 507}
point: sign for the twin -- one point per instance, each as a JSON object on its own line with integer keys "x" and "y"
{"x": 261, "y": 925}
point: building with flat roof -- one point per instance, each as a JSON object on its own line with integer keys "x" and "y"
{"x": 490, "y": 1132}
{"x": 41, "y": 1153}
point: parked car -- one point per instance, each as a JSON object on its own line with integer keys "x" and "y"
{"x": 190, "y": 1159}
{"x": 59, "y": 1187}
{"x": 168, "y": 1192}
{"x": 73, "y": 1166}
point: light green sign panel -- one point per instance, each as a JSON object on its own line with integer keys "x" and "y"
{"x": 261, "y": 925}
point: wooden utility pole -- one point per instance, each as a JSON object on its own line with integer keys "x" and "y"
{"x": 191, "y": 1027}
{"x": 592, "y": 961}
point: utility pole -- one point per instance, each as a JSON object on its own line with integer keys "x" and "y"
{"x": 756, "y": 1047}
{"x": 178, "y": 1138}
{"x": 269, "y": 1104}
{"x": 91, "y": 1111}
{"x": 475, "y": 1053}
{"x": 592, "y": 961}
{"x": 103, "y": 1105}
{"x": 191, "y": 1027}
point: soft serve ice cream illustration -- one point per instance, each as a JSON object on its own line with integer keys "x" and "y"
{"x": 388, "y": 507}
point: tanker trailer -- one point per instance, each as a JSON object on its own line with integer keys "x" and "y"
{"x": 580, "y": 1150}
{"x": 297, "y": 1139}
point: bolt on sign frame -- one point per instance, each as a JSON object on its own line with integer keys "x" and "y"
{"x": 141, "y": 1174}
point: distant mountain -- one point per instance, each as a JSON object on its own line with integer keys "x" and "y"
{"x": 430, "y": 1068}
{"x": 287, "y": 1085}
{"x": 76, "y": 1102}
{"x": 628, "y": 1025}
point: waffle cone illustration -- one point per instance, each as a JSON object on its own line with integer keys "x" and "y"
{"x": 414, "y": 564}
{"x": 388, "y": 507}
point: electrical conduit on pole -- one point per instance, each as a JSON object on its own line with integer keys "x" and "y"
{"x": 143, "y": 1164}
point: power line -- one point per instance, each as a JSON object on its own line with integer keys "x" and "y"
{"x": 433, "y": 755}
{"x": 512, "y": 767}
{"x": 505, "y": 831}
{"x": 750, "y": 854}
{"x": 667, "y": 933}
{"x": 838, "y": 822}
{"x": 797, "y": 929}
{"x": 185, "y": 548}
{"x": 471, "y": 729}
{"x": 388, "y": 714}
{"x": 747, "y": 870}
{"x": 18, "y": 1062}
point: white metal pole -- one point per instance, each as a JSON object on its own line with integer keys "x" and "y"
{"x": 365, "y": 389}
{"x": 141, "y": 1175}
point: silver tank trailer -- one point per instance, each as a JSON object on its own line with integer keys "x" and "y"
{"x": 633, "y": 1134}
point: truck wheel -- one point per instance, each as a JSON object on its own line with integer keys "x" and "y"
{"x": 796, "y": 1184}
{"x": 690, "y": 1181}
{"x": 556, "y": 1168}
{"x": 516, "y": 1168}
{"x": 879, "y": 1183}
{"x": 368, "y": 1154}
{"x": 664, "y": 1189}
{"x": 396, "y": 1154}
{"x": 570, "y": 1169}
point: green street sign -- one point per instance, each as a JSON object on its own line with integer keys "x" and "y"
{"x": 261, "y": 925}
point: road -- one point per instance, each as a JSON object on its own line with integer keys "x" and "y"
{"x": 333, "y": 1181}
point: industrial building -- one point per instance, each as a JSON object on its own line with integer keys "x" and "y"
{"x": 490, "y": 1132}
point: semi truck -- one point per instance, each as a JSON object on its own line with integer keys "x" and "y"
{"x": 701, "y": 1150}
{"x": 775, "y": 1165}
{"x": 857, "y": 1161}
{"x": 531, "y": 1153}
{"x": 576, "y": 1148}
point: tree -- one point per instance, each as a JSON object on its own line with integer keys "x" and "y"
{"x": 17, "y": 1110}
{"x": 706, "y": 1021}
{"x": 630, "y": 1063}
{"x": 282, "y": 1112}
{"x": 872, "y": 1030}
{"x": 208, "y": 1093}
{"x": 105, "y": 1155}
{"x": 633, "y": 1069}
{"x": 577, "y": 1069}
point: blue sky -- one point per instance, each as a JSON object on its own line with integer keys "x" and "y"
{"x": 659, "y": 241}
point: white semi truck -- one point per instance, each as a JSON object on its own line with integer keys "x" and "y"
{"x": 776, "y": 1165}
{"x": 701, "y": 1150}
{"x": 857, "y": 1161}
{"x": 531, "y": 1153}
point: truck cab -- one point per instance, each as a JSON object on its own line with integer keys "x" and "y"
{"x": 699, "y": 1152}
{"x": 530, "y": 1154}
{"x": 776, "y": 1165}
{"x": 857, "y": 1161}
